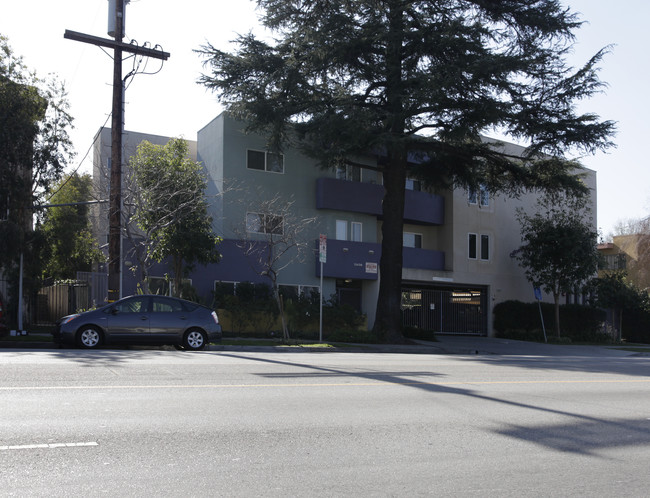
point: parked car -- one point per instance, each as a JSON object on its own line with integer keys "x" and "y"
{"x": 145, "y": 319}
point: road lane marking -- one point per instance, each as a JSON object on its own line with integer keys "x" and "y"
{"x": 47, "y": 446}
{"x": 327, "y": 384}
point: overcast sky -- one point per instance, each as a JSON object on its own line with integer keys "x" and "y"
{"x": 171, "y": 103}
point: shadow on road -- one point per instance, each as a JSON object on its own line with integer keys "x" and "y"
{"x": 581, "y": 434}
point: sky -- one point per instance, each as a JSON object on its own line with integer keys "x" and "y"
{"x": 171, "y": 103}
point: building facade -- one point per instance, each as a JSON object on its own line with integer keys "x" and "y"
{"x": 457, "y": 244}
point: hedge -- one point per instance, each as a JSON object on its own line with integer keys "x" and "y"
{"x": 519, "y": 320}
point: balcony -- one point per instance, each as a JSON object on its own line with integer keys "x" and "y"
{"x": 420, "y": 208}
{"x": 360, "y": 260}
{"x": 346, "y": 259}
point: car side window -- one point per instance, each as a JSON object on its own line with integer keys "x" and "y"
{"x": 135, "y": 305}
{"x": 161, "y": 305}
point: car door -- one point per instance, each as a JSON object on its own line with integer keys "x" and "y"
{"x": 168, "y": 319}
{"x": 128, "y": 320}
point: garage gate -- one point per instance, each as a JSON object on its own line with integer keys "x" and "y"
{"x": 458, "y": 311}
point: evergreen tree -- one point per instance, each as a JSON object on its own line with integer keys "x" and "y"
{"x": 416, "y": 83}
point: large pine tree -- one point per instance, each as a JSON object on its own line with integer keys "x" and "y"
{"x": 416, "y": 83}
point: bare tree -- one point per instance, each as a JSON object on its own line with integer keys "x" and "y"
{"x": 274, "y": 236}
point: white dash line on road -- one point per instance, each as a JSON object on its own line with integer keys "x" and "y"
{"x": 46, "y": 446}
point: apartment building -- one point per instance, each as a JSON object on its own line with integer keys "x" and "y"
{"x": 457, "y": 244}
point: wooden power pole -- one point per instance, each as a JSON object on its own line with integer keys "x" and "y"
{"x": 115, "y": 197}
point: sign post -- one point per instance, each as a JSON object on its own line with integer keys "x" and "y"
{"x": 322, "y": 257}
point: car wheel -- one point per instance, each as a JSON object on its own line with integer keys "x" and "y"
{"x": 194, "y": 340}
{"x": 89, "y": 338}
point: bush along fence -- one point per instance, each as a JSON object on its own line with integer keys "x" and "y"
{"x": 518, "y": 320}
{"x": 249, "y": 310}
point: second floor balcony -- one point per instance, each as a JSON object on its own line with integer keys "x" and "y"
{"x": 420, "y": 208}
{"x": 360, "y": 260}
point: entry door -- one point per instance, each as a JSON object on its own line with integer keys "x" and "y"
{"x": 168, "y": 319}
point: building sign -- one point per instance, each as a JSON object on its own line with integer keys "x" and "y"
{"x": 371, "y": 267}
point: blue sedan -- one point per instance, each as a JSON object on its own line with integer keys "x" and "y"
{"x": 144, "y": 320}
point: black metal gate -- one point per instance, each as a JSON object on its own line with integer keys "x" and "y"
{"x": 460, "y": 311}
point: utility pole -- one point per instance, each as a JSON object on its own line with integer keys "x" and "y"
{"x": 115, "y": 197}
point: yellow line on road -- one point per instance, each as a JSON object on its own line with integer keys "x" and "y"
{"x": 325, "y": 384}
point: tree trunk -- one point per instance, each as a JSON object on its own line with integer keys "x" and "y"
{"x": 278, "y": 300}
{"x": 388, "y": 319}
{"x": 556, "y": 299}
{"x": 178, "y": 274}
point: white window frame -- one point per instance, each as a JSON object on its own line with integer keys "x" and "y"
{"x": 353, "y": 225}
{"x": 483, "y": 196}
{"x": 483, "y": 237}
{"x": 341, "y": 229}
{"x": 413, "y": 184}
{"x": 347, "y": 172}
{"x": 471, "y": 246}
{"x": 266, "y": 161}
{"x": 415, "y": 238}
{"x": 233, "y": 282}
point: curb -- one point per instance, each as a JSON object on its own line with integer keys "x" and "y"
{"x": 365, "y": 348}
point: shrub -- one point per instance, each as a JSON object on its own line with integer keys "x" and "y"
{"x": 518, "y": 320}
{"x": 352, "y": 336}
{"x": 418, "y": 333}
{"x": 636, "y": 326}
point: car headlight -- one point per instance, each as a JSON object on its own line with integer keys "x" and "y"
{"x": 216, "y": 318}
{"x": 68, "y": 319}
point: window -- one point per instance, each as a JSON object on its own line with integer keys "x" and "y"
{"x": 162, "y": 305}
{"x": 264, "y": 223}
{"x": 295, "y": 291}
{"x": 341, "y": 230}
{"x": 412, "y": 184}
{"x": 134, "y": 305}
{"x": 471, "y": 238}
{"x": 484, "y": 197}
{"x": 356, "y": 232}
{"x": 224, "y": 288}
{"x": 412, "y": 240}
{"x": 265, "y": 161}
{"x": 348, "y": 172}
{"x": 480, "y": 196}
{"x": 485, "y": 247}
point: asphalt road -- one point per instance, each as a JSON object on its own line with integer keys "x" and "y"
{"x": 230, "y": 423}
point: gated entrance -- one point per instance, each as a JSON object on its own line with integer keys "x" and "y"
{"x": 458, "y": 311}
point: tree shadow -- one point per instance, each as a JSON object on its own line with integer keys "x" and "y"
{"x": 637, "y": 366}
{"x": 581, "y": 434}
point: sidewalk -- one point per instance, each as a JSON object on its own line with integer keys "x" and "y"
{"x": 446, "y": 344}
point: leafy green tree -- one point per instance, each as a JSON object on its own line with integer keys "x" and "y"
{"x": 416, "y": 83}
{"x": 559, "y": 247}
{"x": 34, "y": 150}
{"x": 70, "y": 243}
{"x": 614, "y": 290}
{"x": 171, "y": 209}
